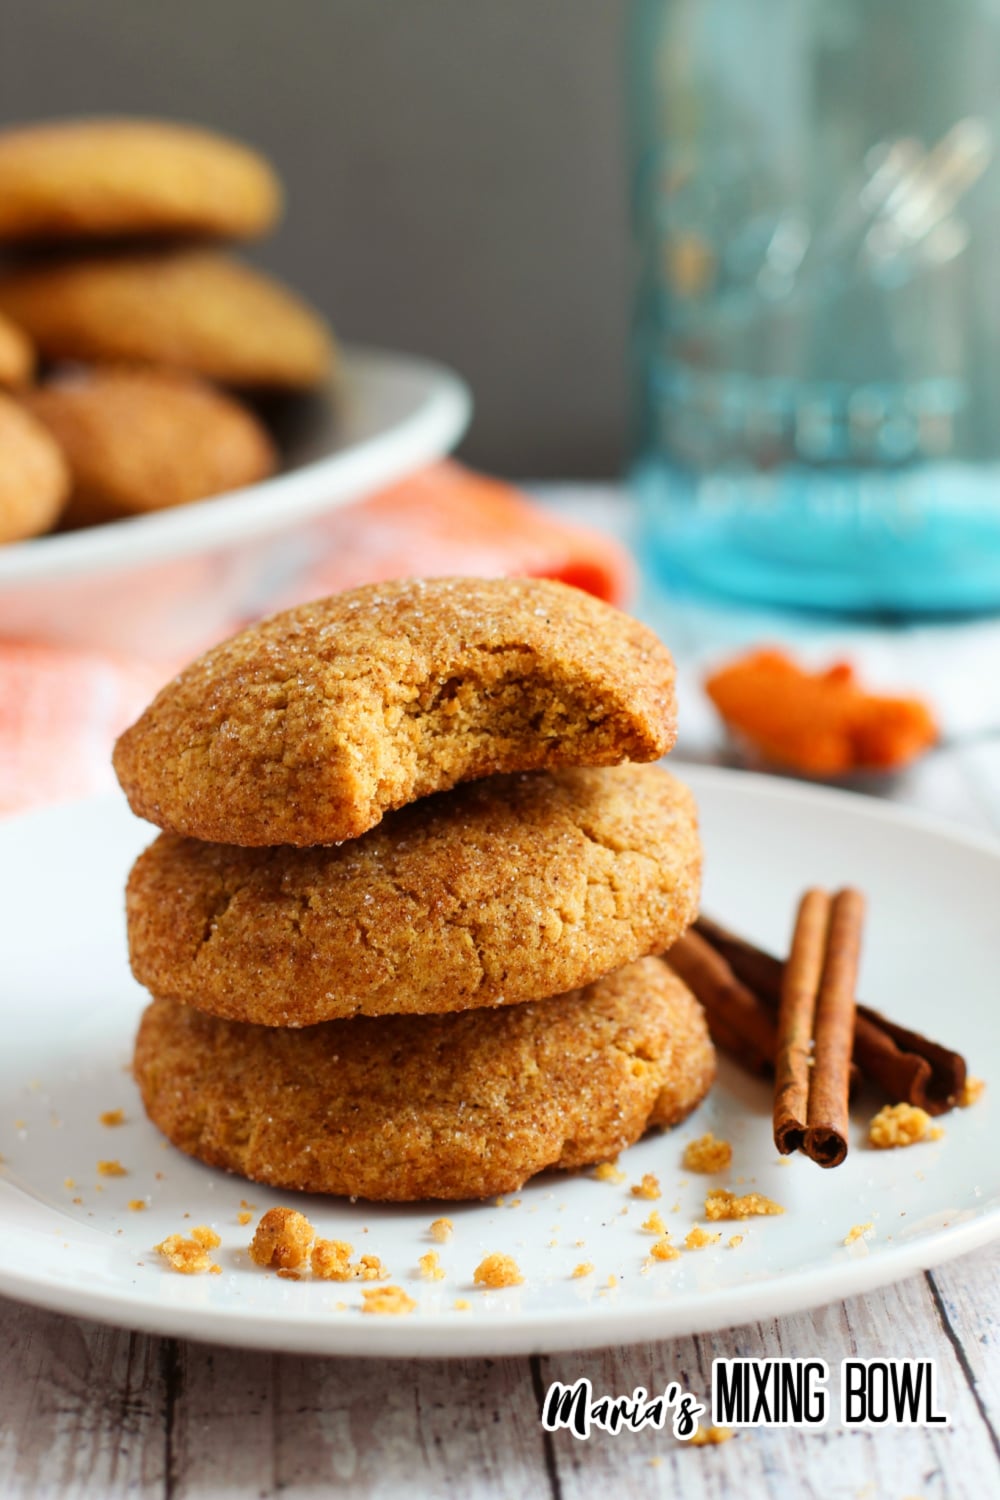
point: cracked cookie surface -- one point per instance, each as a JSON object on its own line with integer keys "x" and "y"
{"x": 410, "y": 1107}
{"x": 309, "y": 727}
{"x": 498, "y": 892}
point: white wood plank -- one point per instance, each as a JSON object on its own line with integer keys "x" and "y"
{"x": 81, "y": 1409}
{"x": 969, "y": 1291}
{"x": 833, "y": 1464}
{"x": 222, "y": 1421}
{"x": 244, "y": 1424}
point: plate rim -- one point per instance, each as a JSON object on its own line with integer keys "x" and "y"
{"x": 446, "y": 1334}
{"x": 910, "y": 815}
{"x": 350, "y": 1335}
{"x": 441, "y": 414}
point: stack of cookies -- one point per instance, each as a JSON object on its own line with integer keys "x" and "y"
{"x": 399, "y": 926}
{"x": 160, "y": 328}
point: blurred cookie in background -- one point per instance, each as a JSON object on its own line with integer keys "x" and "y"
{"x": 17, "y": 357}
{"x": 190, "y": 310}
{"x": 104, "y": 222}
{"x": 142, "y": 440}
{"x": 34, "y": 479}
{"x": 112, "y": 178}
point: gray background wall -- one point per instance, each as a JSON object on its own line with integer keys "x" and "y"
{"x": 455, "y": 176}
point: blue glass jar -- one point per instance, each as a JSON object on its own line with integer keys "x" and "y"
{"x": 816, "y": 347}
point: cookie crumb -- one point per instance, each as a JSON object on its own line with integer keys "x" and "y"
{"x": 707, "y": 1437}
{"x": 370, "y": 1268}
{"x": 654, "y": 1224}
{"x": 612, "y": 1280}
{"x": 972, "y": 1090}
{"x": 281, "y": 1239}
{"x": 647, "y": 1187}
{"x": 707, "y": 1155}
{"x": 112, "y": 1117}
{"x": 387, "y": 1299}
{"x": 137, "y": 1205}
{"x": 190, "y": 1256}
{"x": 331, "y": 1260}
{"x": 857, "y": 1231}
{"x": 442, "y": 1231}
{"x": 609, "y": 1171}
{"x": 585, "y": 1268}
{"x": 430, "y": 1266}
{"x": 289, "y": 1275}
{"x": 111, "y": 1169}
{"x": 720, "y": 1204}
{"x": 734, "y": 1241}
{"x": 664, "y": 1250}
{"x": 244, "y": 1217}
{"x": 899, "y": 1125}
{"x": 697, "y": 1238}
{"x": 462, "y": 1304}
{"x": 498, "y": 1270}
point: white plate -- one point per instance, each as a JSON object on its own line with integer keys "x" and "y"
{"x": 69, "y": 1009}
{"x": 168, "y": 579}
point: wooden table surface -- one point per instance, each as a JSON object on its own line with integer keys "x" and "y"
{"x": 98, "y": 1412}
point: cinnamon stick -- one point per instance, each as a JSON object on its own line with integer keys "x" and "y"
{"x": 800, "y": 989}
{"x": 826, "y": 1136}
{"x": 908, "y": 1067}
{"x": 737, "y": 1020}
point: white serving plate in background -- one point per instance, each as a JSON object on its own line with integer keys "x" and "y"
{"x": 163, "y": 584}
{"x": 69, "y": 1009}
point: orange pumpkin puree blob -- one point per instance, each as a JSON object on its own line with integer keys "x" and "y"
{"x": 817, "y": 723}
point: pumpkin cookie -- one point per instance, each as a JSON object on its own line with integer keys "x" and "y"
{"x": 77, "y": 179}
{"x": 307, "y": 728}
{"x": 501, "y": 891}
{"x": 141, "y": 440}
{"x": 409, "y": 1107}
{"x": 17, "y": 357}
{"x": 34, "y": 480}
{"x": 193, "y": 310}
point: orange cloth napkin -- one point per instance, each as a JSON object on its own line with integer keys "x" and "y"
{"x": 60, "y": 709}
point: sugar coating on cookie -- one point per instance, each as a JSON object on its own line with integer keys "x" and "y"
{"x": 500, "y": 891}
{"x": 34, "y": 478}
{"x": 411, "y": 1107}
{"x": 76, "y": 179}
{"x": 140, "y": 440}
{"x": 307, "y": 728}
{"x": 195, "y": 310}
